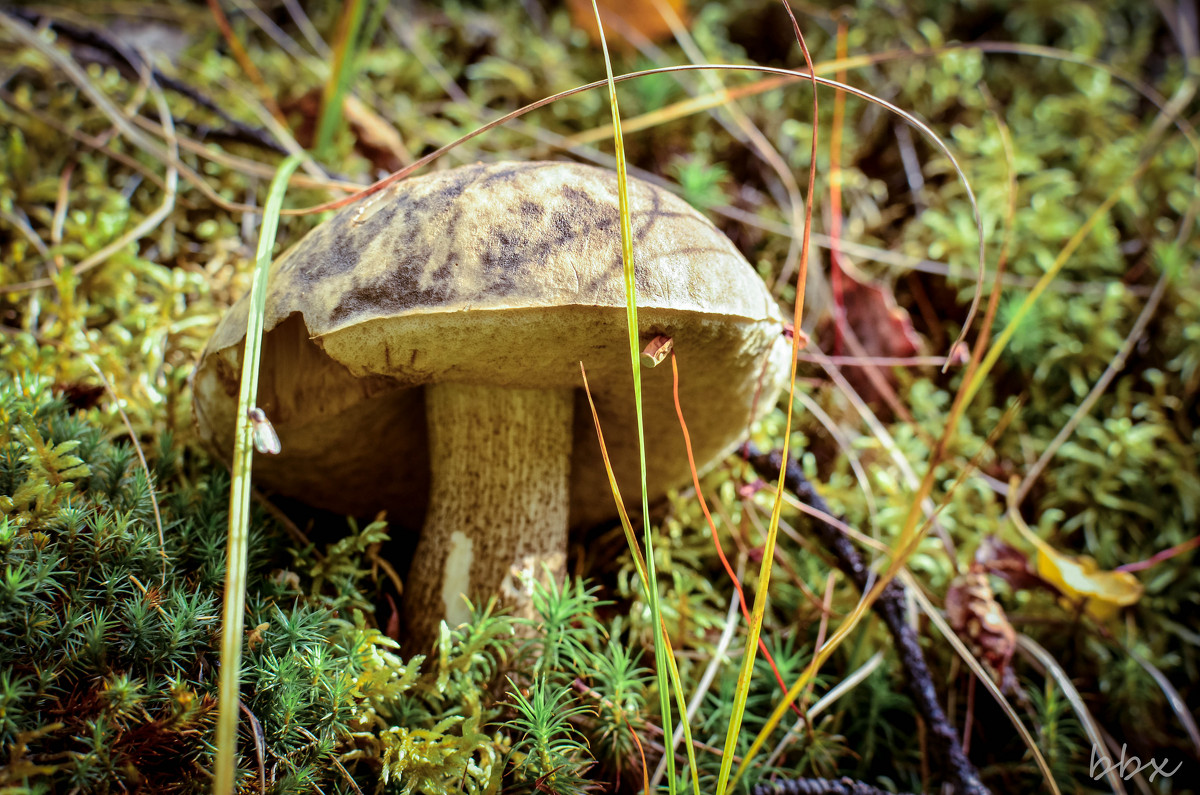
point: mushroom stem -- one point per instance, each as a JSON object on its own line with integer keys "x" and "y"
{"x": 500, "y": 463}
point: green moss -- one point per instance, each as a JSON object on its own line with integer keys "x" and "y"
{"x": 108, "y": 632}
{"x": 108, "y": 636}
{"x": 108, "y": 642}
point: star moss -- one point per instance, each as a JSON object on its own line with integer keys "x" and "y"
{"x": 109, "y": 634}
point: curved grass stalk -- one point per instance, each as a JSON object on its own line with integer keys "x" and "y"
{"x": 234, "y": 610}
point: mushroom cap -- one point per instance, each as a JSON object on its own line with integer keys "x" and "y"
{"x": 507, "y": 274}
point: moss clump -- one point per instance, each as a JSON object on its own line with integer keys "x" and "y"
{"x": 109, "y": 643}
{"x": 108, "y": 634}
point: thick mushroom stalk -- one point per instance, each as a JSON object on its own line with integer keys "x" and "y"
{"x": 500, "y": 462}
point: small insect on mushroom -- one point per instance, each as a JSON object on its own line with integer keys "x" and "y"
{"x": 266, "y": 441}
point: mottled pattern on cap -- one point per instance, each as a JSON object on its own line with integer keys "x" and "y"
{"x": 509, "y": 236}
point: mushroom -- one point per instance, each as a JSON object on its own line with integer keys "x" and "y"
{"x": 422, "y": 355}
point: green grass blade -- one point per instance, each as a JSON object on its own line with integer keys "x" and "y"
{"x": 663, "y": 669}
{"x": 239, "y": 496}
{"x": 351, "y": 37}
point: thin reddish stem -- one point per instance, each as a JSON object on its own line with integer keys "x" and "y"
{"x": 712, "y": 526}
{"x": 836, "y": 273}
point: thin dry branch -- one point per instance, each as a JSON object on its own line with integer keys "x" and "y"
{"x": 958, "y": 769}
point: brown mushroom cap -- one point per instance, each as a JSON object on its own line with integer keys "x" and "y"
{"x": 508, "y": 275}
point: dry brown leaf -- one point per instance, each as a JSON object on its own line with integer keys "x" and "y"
{"x": 880, "y": 327}
{"x": 639, "y": 16}
{"x": 883, "y": 327}
{"x": 374, "y": 137}
{"x": 377, "y": 139}
{"x": 1009, "y": 564}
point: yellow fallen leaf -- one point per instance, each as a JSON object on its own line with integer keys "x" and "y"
{"x": 1079, "y": 578}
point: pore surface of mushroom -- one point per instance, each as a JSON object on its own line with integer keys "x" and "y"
{"x": 422, "y": 356}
